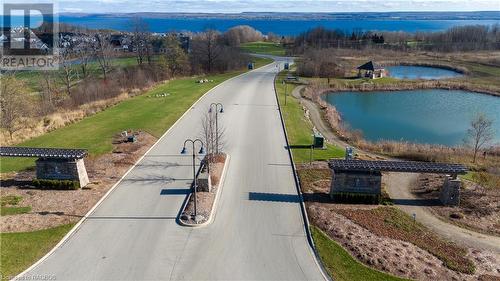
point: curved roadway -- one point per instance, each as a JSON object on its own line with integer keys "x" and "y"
{"x": 258, "y": 231}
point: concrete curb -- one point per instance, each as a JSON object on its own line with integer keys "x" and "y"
{"x": 303, "y": 210}
{"x": 80, "y": 222}
{"x": 214, "y": 205}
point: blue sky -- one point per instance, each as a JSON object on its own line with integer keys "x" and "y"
{"x": 236, "y": 6}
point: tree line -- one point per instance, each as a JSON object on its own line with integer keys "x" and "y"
{"x": 89, "y": 69}
{"x": 458, "y": 38}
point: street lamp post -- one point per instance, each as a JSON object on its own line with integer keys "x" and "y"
{"x": 184, "y": 150}
{"x": 217, "y": 111}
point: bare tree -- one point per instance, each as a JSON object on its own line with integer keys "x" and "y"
{"x": 212, "y": 136}
{"x": 84, "y": 54}
{"x": 479, "y": 134}
{"x": 206, "y": 49}
{"x": 242, "y": 34}
{"x": 103, "y": 51}
{"x": 141, "y": 39}
{"x": 68, "y": 73}
{"x": 176, "y": 60}
{"x": 49, "y": 91}
{"x": 12, "y": 102}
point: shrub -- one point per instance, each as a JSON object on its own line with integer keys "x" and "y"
{"x": 56, "y": 184}
{"x": 350, "y": 197}
{"x": 456, "y": 216}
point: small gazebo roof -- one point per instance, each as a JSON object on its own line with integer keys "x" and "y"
{"x": 54, "y": 153}
{"x": 371, "y": 66}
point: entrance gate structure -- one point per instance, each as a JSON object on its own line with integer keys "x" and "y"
{"x": 54, "y": 163}
{"x": 365, "y": 177}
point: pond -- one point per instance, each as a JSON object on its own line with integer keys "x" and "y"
{"x": 422, "y": 116}
{"x": 421, "y": 72}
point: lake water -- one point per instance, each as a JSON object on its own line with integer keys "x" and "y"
{"x": 277, "y": 26}
{"x": 423, "y": 116}
{"x": 421, "y": 72}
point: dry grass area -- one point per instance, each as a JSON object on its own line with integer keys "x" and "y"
{"x": 205, "y": 200}
{"x": 37, "y": 126}
{"x": 387, "y": 239}
{"x": 479, "y": 207}
{"x": 50, "y": 208}
{"x": 393, "y": 223}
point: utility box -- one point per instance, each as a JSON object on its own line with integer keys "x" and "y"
{"x": 349, "y": 153}
{"x": 250, "y": 65}
{"x": 287, "y": 66}
{"x": 318, "y": 140}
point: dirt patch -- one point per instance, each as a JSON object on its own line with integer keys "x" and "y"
{"x": 378, "y": 240}
{"x": 479, "y": 207}
{"x": 51, "y": 208}
{"x": 393, "y": 223}
{"x": 395, "y": 256}
{"x": 205, "y": 200}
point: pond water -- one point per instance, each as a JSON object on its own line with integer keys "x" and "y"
{"x": 422, "y": 116}
{"x": 421, "y": 72}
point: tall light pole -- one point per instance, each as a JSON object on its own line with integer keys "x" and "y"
{"x": 184, "y": 151}
{"x": 217, "y": 111}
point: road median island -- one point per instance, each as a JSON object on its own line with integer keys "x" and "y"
{"x": 208, "y": 192}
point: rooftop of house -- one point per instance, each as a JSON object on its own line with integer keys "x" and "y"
{"x": 371, "y": 66}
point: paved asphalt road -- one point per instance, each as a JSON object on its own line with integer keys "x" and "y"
{"x": 258, "y": 232}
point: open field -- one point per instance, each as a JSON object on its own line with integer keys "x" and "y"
{"x": 144, "y": 112}
{"x": 299, "y": 128}
{"x": 340, "y": 264}
{"x": 20, "y": 250}
{"x": 267, "y": 48}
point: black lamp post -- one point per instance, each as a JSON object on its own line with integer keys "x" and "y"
{"x": 184, "y": 151}
{"x": 217, "y": 111}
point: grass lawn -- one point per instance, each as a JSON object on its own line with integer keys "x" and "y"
{"x": 6, "y": 211}
{"x": 145, "y": 112}
{"x": 9, "y": 206}
{"x": 300, "y": 129}
{"x": 267, "y": 48}
{"x": 20, "y": 250}
{"x": 339, "y": 263}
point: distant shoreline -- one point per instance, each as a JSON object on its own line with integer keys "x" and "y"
{"x": 474, "y": 15}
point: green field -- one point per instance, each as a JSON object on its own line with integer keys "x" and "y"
{"x": 267, "y": 48}
{"x": 339, "y": 263}
{"x": 145, "y": 112}
{"x": 300, "y": 129}
{"x": 22, "y": 249}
